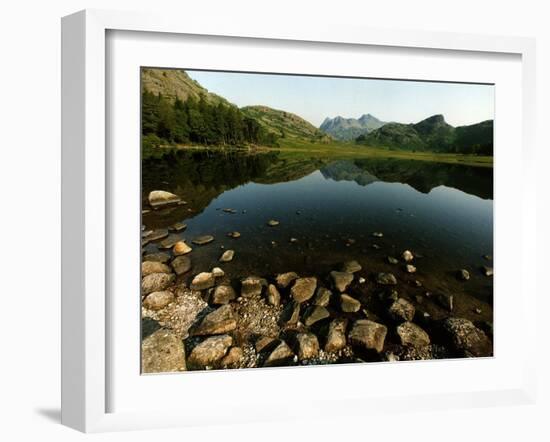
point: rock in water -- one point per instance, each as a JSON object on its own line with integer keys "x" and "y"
{"x": 307, "y": 345}
{"x": 234, "y": 357}
{"x": 336, "y": 337}
{"x": 349, "y": 304}
{"x": 157, "y": 257}
{"x": 351, "y": 267}
{"x": 322, "y": 297}
{"x": 209, "y": 351}
{"x": 411, "y": 334}
{"x": 155, "y": 282}
{"x": 181, "y": 248}
{"x": 466, "y": 338}
{"x": 392, "y": 260}
{"x": 273, "y": 223}
{"x": 273, "y": 296}
{"x": 284, "y": 279}
{"x": 234, "y": 235}
{"x": 158, "y": 300}
{"x": 155, "y": 235}
{"x": 303, "y": 289}
{"x": 463, "y": 274}
{"x": 227, "y": 256}
{"x": 203, "y": 281}
{"x": 169, "y": 242}
{"x": 402, "y": 310}
{"x": 377, "y": 234}
{"x": 410, "y": 268}
{"x": 223, "y": 294}
{"x": 281, "y": 355}
{"x": 217, "y": 272}
{"x": 160, "y": 198}
{"x": 181, "y": 265}
{"x": 368, "y": 334}
{"x": 407, "y": 256}
{"x": 162, "y": 352}
{"x": 252, "y": 286}
{"x": 314, "y": 314}
{"x": 290, "y": 313}
{"x": 149, "y": 267}
{"x": 386, "y": 279}
{"x": 178, "y": 227}
{"x": 341, "y": 280}
{"x": 487, "y": 271}
{"x": 221, "y": 320}
{"x": 202, "y": 240}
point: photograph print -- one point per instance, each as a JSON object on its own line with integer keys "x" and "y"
{"x": 295, "y": 220}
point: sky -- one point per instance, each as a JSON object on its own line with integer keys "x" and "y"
{"x": 315, "y": 98}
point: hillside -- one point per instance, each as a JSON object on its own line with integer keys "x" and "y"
{"x": 433, "y": 134}
{"x": 175, "y": 83}
{"x": 285, "y": 124}
{"x": 346, "y": 129}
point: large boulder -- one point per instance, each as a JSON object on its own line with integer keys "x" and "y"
{"x": 413, "y": 335}
{"x": 466, "y": 338}
{"x": 162, "y": 352}
{"x": 161, "y": 198}
{"x": 210, "y": 351}
{"x": 221, "y": 320}
{"x": 307, "y": 345}
{"x": 368, "y": 334}
{"x": 402, "y": 310}
{"x": 149, "y": 267}
{"x": 341, "y": 280}
{"x": 158, "y": 300}
{"x": 336, "y": 337}
{"x": 303, "y": 289}
{"x": 156, "y": 282}
{"x": 203, "y": 281}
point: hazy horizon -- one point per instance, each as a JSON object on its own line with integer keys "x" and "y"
{"x": 316, "y": 98}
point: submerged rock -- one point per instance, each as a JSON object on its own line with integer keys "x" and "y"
{"x": 223, "y": 294}
{"x": 377, "y": 234}
{"x": 351, "y": 267}
{"x": 284, "y": 279}
{"x": 234, "y": 235}
{"x": 181, "y": 248}
{"x": 221, "y": 320}
{"x": 281, "y": 355}
{"x": 303, "y": 289}
{"x": 413, "y": 335}
{"x": 487, "y": 271}
{"x": 210, "y": 351}
{"x": 467, "y": 338}
{"x": 157, "y": 234}
{"x": 407, "y": 256}
{"x": 148, "y": 267}
{"x": 162, "y": 352}
{"x": 181, "y": 264}
{"x": 273, "y": 295}
{"x": 392, "y": 260}
{"x": 273, "y": 223}
{"x": 157, "y": 257}
{"x": 158, "y": 300}
{"x": 315, "y": 314}
{"x": 349, "y": 304}
{"x": 336, "y": 337}
{"x": 227, "y": 256}
{"x": 402, "y": 310}
{"x": 307, "y": 345}
{"x": 386, "y": 279}
{"x": 203, "y": 281}
{"x": 178, "y": 227}
{"x": 341, "y": 280}
{"x": 169, "y": 242}
{"x": 410, "y": 268}
{"x": 156, "y": 282}
{"x": 322, "y": 297}
{"x": 161, "y": 198}
{"x": 463, "y": 274}
{"x": 202, "y": 240}
{"x": 368, "y": 334}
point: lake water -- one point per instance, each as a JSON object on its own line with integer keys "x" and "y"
{"x": 331, "y": 207}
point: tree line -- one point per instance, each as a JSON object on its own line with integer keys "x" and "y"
{"x": 197, "y": 121}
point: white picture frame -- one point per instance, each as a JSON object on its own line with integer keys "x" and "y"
{"x": 85, "y": 215}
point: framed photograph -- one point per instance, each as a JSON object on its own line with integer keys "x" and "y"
{"x": 262, "y": 223}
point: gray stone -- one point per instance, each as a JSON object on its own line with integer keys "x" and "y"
{"x": 284, "y": 279}
{"x": 336, "y": 337}
{"x": 349, "y": 304}
{"x": 210, "y": 351}
{"x": 281, "y": 355}
{"x": 149, "y": 267}
{"x": 160, "y": 198}
{"x": 402, "y": 310}
{"x": 202, "y": 240}
{"x": 368, "y": 334}
{"x": 322, "y": 297}
{"x": 158, "y": 300}
{"x": 413, "y": 335}
{"x": 466, "y": 338}
{"x": 203, "y": 281}
{"x": 341, "y": 280}
{"x": 162, "y": 352}
{"x": 273, "y": 296}
{"x": 314, "y": 314}
{"x": 221, "y": 320}
{"x": 156, "y": 282}
{"x": 303, "y": 289}
{"x": 181, "y": 264}
{"x": 351, "y": 267}
{"x": 386, "y": 279}
{"x": 227, "y": 256}
{"x": 307, "y": 345}
{"x": 223, "y": 294}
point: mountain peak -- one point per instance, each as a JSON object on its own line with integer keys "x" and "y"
{"x": 346, "y": 129}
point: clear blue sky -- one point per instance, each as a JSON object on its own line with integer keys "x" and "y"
{"x": 315, "y": 98}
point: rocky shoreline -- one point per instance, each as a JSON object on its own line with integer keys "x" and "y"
{"x": 215, "y": 320}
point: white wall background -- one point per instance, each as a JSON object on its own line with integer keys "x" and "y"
{"x": 30, "y": 215}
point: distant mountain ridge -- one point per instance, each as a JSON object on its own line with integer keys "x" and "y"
{"x": 346, "y": 129}
{"x": 433, "y": 134}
